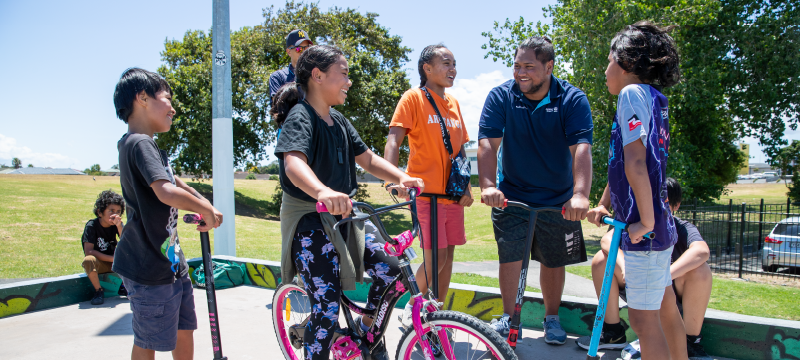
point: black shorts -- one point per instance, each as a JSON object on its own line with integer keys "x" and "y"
{"x": 556, "y": 242}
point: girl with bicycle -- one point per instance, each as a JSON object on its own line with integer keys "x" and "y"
{"x": 417, "y": 115}
{"x": 317, "y": 151}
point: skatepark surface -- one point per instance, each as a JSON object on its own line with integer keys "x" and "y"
{"x": 82, "y": 331}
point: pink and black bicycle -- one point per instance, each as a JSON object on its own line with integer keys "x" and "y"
{"x": 435, "y": 334}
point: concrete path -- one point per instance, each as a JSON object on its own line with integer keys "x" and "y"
{"x": 83, "y": 331}
{"x": 574, "y": 284}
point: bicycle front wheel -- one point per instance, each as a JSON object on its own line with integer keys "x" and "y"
{"x": 290, "y": 310}
{"x": 469, "y": 338}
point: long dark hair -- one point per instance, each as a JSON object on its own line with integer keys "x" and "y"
{"x": 317, "y": 56}
{"x": 648, "y": 51}
{"x": 426, "y": 57}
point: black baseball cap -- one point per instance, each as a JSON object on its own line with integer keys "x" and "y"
{"x": 296, "y": 37}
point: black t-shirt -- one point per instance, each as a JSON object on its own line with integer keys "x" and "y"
{"x": 149, "y": 251}
{"x": 331, "y": 152}
{"x": 687, "y": 234}
{"x": 104, "y": 239}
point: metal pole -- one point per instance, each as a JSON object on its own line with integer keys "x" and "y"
{"x": 788, "y": 206}
{"x": 435, "y": 246}
{"x": 694, "y": 213}
{"x": 730, "y": 226}
{"x": 222, "y": 128}
{"x": 740, "y": 245}
{"x": 760, "y": 225}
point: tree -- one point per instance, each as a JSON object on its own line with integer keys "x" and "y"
{"x": 787, "y": 160}
{"x": 726, "y": 48}
{"x": 16, "y": 163}
{"x": 93, "y": 170}
{"x": 30, "y": 165}
{"x": 375, "y": 58}
{"x": 115, "y": 166}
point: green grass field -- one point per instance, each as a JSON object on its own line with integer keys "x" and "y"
{"x": 741, "y": 297}
{"x": 42, "y": 219}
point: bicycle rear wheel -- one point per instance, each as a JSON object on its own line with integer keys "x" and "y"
{"x": 469, "y": 338}
{"x": 290, "y": 310}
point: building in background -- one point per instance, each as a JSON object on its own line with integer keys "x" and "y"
{"x": 745, "y": 149}
{"x": 41, "y": 171}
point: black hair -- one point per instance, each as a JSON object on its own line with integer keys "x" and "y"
{"x": 542, "y": 47}
{"x": 321, "y": 57}
{"x": 674, "y": 192}
{"x": 647, "y": 50}
{"x": 282, "y": 102}
{"x": 130, "y": 84}
{"x": 106, "y": 198}
{"x": 426, "y": 57}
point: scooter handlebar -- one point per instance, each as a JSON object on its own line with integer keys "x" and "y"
{"x": 609, "y": 220}
{"x": 193, "y": 219}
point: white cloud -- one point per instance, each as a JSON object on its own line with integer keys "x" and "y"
{"x": 471, "y": 94}
{"x": 9, "y": 150}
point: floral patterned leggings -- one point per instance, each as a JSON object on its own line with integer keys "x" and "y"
{"x": 317, "y": 264}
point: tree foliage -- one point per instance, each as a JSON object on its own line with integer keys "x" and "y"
{"x": 94, "y": 170}
{"x": 16, "y": 163}
{"x": 375, "y": 58}
{"x": 729, "y": 87}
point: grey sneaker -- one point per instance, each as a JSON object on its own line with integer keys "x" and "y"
{"x": 554, "y": 334}
{"x": 501, "y": 325}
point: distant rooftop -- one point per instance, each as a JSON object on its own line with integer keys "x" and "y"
{"x": 42, "y": 171}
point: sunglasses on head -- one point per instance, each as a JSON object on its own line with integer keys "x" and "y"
{"x": 301, "y": 48}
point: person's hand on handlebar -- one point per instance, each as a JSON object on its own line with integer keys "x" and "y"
{"x": 410, "y": 182}
{"x": 493, "y": 197}
{"x": 336, "y": 202}
{"x": 595, "y": 216}
{"x": 637, "y": 230}
{"x": 576, "y": 208}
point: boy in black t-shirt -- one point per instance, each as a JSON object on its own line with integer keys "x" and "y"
{"x": 149, "y": 258}
{"x": 100, "y": 240}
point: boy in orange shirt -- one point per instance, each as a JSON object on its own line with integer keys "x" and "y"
{"x": 429, "y": 160}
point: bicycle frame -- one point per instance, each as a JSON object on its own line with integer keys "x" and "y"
{"x": 396, "y": 289}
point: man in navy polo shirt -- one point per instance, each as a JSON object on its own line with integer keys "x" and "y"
{"x": 542, "y": 127}
{"x": 296, "y": 42}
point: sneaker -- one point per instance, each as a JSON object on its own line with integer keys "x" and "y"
{"x": 98, "y": 297}
{"x": 122, "y": 290}
{"x": 631, "y": 351}
{"x": 405, "y": 319}
{"x": 501, "y": 325}
{"x": 607, "y": 341}
{"x": 554, "y": 334}
{"x": 696, "y": 351}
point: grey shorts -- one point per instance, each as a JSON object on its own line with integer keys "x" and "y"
{"x": 556, "y": 242}
{"x": 159, "y": 311}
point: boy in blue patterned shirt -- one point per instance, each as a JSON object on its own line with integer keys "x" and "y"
{"x": 643, "y": 59}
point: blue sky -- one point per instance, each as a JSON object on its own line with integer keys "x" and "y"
{"x": 61, "y": 61}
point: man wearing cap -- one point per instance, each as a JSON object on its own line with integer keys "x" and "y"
{"x": 296, "y": 42}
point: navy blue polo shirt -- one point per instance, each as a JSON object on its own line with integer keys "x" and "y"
{"x": 278, "y": 79}
{"x": 534, "y": 161}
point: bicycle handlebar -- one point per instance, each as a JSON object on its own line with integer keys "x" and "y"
{"x": 322, "y": 208}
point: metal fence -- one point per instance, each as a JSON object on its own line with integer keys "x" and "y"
{"x": 735, "y": 232}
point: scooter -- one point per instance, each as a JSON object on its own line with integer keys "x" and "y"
{"x": 211, "y": 296}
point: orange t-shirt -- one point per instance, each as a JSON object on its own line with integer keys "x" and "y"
{"x": 428, "y": 159}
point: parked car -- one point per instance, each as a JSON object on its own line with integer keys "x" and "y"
{"x": 782, "y": 245}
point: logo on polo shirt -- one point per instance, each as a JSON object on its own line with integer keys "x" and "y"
{"x": 552, "y": 109}
{"x": 520, "y": 107}
{"x": 633, "y": 122}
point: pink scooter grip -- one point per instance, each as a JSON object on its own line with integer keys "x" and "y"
{"x": 322, "y": 208}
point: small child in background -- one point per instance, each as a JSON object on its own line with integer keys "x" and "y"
{"x": 100, "y": 240}
{"x": 643, "y": 60}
